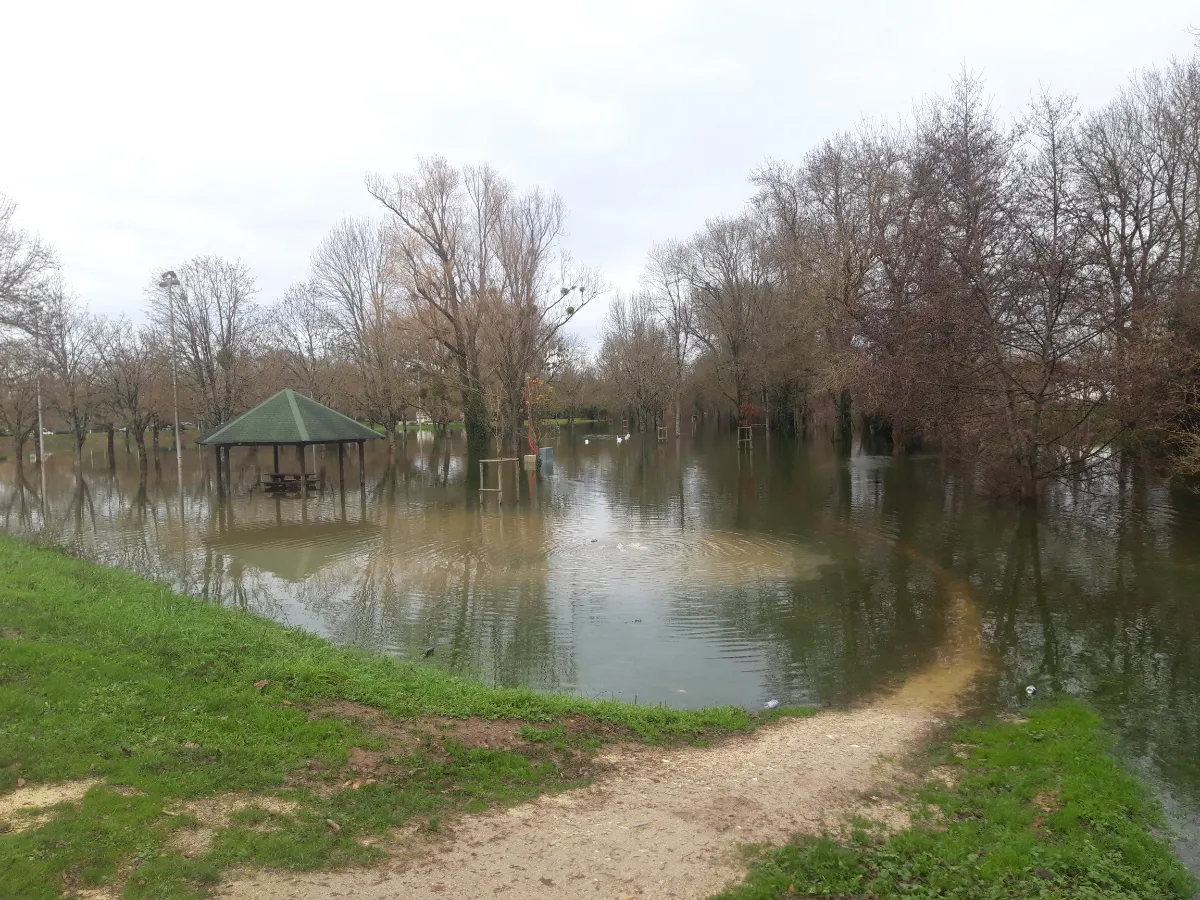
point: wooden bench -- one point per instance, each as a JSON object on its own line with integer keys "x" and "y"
{"x": 273, "y": 482}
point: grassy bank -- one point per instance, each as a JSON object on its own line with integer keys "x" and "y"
{"x": 165, "y": 700}
{"x": 1013, "y": 810}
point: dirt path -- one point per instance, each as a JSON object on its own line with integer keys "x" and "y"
{"x": 668, "y": 823}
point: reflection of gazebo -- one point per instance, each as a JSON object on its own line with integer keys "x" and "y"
{"x": 289, "y": 419}
{"x": 294, "y": 551}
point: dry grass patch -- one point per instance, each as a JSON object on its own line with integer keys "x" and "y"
{"x": 217, "y": 811}
{"x": 23, "y": 808}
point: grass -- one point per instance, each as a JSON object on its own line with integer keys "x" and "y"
{"x": 109, "y": 676}
{"x": 1038, "y": 809}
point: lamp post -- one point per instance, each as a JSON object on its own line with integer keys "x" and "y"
{"x": 37, "y": 361}
{"x": 168, "y": 282}
{"x": 41, "y": 444}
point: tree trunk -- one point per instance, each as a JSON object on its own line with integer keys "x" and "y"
{"x": 475, "y": 422}
{"x": 139, "y": 438}
{"x": 1029, "y": 483}
{"x": 154, "y": 435}
{"x": 845, "y": 424}
{"x": 112, "y": 449}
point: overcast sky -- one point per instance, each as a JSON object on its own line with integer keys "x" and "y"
{"x": 135, "y": 136}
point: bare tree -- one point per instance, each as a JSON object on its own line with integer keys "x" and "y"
{"x": 635, "y": 359}
{"x": 26, "y": 266}
{"x": 305, "y": 337}
{"x": 67, "y": 339}
{"x": 731, "y": 286}
{"x": 215, "y": 329}
{"x": 666, "y": 278}
{"x": 353, "y": 282}
{"x": 18, "y": 391}
{"x": 475, "y": 257}
{"x": 132, "y": 363}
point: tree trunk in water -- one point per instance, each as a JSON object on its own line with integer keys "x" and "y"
{"x": 475, "y": 422}
{"x": 139, "y": 438}
{"x": 112, "y": 450}
{"x": 154, "y": 437}
{"x": 845, "y": 424}
{"x": 1029, "y": 483}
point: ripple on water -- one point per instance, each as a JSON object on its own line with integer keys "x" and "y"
{"x": 712, "y": 556}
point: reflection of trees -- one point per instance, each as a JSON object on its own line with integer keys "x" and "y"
{"x": 18, "y": 500}
{"x": 473, "y": 585}
{"x": 867, "y": 617}
{"x": 1097, "y": 599}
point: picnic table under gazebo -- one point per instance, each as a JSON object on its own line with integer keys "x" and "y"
{"x": 289, "y": 419}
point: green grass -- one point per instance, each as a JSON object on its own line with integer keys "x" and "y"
{"x": 1039, "y": 810}
{"x": 106, "y": 675}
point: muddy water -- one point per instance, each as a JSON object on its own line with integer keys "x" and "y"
{"x": 686, "y": 574}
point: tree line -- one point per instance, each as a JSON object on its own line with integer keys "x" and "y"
{"x": 1020, "y": 295}
{"x": 450, "y": 307}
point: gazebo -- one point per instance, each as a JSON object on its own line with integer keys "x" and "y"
{"x": 288, "y": 419}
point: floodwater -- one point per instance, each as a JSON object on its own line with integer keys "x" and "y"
{"x": 687, "y": 573}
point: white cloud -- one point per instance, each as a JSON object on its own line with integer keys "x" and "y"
{"x": 137, "y": 135}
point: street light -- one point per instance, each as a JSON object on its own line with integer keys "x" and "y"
{"x": 168, "y": 282}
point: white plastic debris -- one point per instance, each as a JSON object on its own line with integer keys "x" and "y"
{"x": 1031, "y": 690}
{"x": 771, "y": 704}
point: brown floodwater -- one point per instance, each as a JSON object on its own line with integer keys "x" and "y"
{"x": 686, "y": 573}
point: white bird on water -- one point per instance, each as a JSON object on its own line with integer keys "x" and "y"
{"x": 1031, "y": 690}
{"x": 771, "y": 704}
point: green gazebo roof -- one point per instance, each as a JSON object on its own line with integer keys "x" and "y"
{"x": 289, "y": 418}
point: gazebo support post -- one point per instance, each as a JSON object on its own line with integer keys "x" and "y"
{"x": 342, "y": 468}
{"x": 303, "y": 472}
{"x": 220, "y": 474}
{"x": 275, "y": 449}
{"x": 362, "y": 466}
